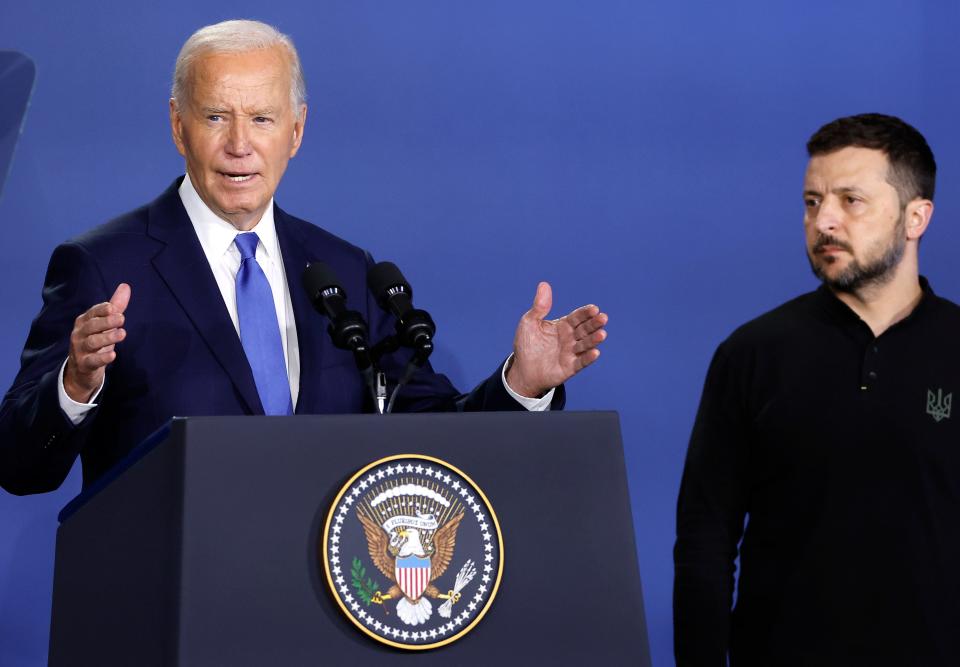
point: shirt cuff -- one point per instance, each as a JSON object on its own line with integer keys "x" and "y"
{"x": 75, "y": 412}
{"x": 531, "y": 404}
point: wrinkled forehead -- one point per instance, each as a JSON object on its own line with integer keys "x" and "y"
{"x": 261, "y": 72}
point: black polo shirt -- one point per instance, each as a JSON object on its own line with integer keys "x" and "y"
{"x": 843, "y": 453}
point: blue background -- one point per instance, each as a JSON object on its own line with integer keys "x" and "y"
{"x": 647, "y": 156}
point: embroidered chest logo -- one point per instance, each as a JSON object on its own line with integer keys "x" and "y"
{"x": 938, "y": 405}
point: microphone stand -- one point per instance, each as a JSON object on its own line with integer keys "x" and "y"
{"x": 391, "y": 344}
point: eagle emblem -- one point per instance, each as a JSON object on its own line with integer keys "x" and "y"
{"x": 411, "y": 550}
{"x": 390, "y": 541}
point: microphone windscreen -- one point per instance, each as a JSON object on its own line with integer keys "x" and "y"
{"x": 317, "y": 277}
{"x": 385, "y": 275}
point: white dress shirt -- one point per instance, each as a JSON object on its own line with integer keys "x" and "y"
{"x": 217, "y": 240}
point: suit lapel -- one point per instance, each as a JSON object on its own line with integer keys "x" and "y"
{"x": 185, "y": 270}
{"x": 310, "y": 325}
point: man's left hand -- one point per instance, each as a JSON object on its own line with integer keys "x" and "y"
{"x": 547, "y": 353}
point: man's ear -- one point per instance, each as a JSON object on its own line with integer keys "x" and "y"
{"x": 918, "y": 214}
{"x": 298, "y": 124}
{"x": 176, "y": 127}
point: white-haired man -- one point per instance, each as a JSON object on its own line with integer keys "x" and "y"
{"x": 189, "y": 305}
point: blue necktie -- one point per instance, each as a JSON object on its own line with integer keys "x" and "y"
{"x": 259, "y": 331}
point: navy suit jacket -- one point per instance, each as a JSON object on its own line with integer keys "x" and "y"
{"x": 182, "y": 355}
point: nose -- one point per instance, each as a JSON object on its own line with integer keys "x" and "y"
{"x": 827, "y": 215}
{"x": 238, "y": 139}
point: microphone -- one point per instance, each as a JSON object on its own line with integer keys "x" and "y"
{"x": 415, "y": 328}
{"x": 347, "y": 328}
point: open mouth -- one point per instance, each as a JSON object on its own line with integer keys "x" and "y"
{"x": 235, "y": 177}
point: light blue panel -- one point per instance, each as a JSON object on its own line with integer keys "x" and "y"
{"x": 17, "y": 74}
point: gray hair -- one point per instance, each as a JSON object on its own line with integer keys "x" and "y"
{"x": 239, "y": 36}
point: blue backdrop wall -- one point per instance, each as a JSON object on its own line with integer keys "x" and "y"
{"x": 646, "y": 156}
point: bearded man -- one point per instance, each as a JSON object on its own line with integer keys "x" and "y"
{"x": 825, "y": 425}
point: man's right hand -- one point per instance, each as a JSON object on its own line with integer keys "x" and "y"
{"x": 95, "y": 335}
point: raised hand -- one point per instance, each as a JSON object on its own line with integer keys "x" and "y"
{"x": 92, "y": 342}
{"x": 549, "y": 352}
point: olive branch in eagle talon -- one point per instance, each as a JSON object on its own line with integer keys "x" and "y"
{"x": 365, "y": 590}
{"x": 385, "y": 548}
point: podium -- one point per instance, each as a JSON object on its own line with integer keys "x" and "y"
{"x": 205, "y": 548}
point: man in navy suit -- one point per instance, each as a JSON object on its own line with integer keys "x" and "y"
{"x": 143, "y": 318}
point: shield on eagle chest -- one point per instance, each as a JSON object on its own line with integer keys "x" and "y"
{"x": 413, "y": 575}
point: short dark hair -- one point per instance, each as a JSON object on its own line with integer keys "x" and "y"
{"x": 913, "y": 171}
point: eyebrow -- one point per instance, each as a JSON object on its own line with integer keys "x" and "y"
{"x": 837, "y": 191}
{"x": 260, "y": 112}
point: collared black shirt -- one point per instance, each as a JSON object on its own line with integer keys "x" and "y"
{"x": 842, "y": 452}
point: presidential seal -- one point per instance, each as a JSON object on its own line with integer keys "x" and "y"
{"x": 412, "y": 552}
